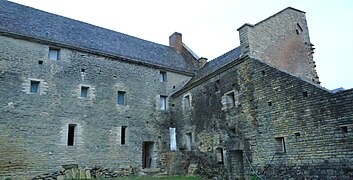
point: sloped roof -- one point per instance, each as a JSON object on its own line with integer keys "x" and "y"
{"x": 215, "y": 64}
{"x": 26, "y": 21}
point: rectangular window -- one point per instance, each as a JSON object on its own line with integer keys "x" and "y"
{"x": 34, "y": 87}
{"x": 53, "y": 54}
{"x": 231, "y": 100}
{"x": 123, "y": 135}
{"x": 173, "y": 145}
{"x": 188, "y": 137}
{"x": 84, "y": 91}
{"x": 219, "y": 154}
{"x": 71, "y": 134}
{"x": 218, "y": 85}
{"x": 187, "y": 101}
{"x": 163, "y": 76}
{"x": 163, "y": 102}
{"x": 121, "y": 97}
{"x": 280, "y": 145}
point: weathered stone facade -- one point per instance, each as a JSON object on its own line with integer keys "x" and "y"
{"x": 256, "y": 111}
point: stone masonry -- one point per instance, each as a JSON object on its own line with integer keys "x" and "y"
{"x": 99, "y": 103}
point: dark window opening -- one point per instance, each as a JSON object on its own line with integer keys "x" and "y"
{"x": 83, "y": 70}
{"x": 71, "y": 135}
{"x": 84, "y": 91}
{"x": 173, "y": 87}
{"x": 232, "y": 130}
{"x": 53, "y": 54}
{"x": 34, "y": 87}
{"x": 121, "y": 97}
{"x": 123, "y": 134}
{"x": 218, "y": 85}
{"x": 305, "y": 94}
{"x": 344, "y": 129}
{"x": 40, "y": 62}
{"x": 297, "y": 134}
{"x": 280, "y": 145}
{"x": 162, "y": 76}
{"x": 263, "y": 72}
{"x": 231, "y": 99}
{"x": 270, "y": 103}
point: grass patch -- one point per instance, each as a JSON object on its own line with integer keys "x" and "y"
{"x": 158, "y": 178}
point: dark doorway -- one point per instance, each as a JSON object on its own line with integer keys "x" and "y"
{"x": 147, "y": 151}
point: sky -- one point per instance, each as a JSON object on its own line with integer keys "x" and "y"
{"x": 209, "y": 27}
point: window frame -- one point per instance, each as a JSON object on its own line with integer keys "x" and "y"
{"x": 162, "y": 76}
{"x": 34, "y": 84}
{"x": 54, "y": 51}
{"x": 85, "y": 89}
{"x": 123, "y": 95}
{"x": 163, "y": 103}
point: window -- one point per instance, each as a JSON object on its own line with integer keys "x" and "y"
{"x": 231, "y": 99}
{"x": 163, "y": 102}
{"x": 188, "y": 139}
{"x": 71, "y": 134}
{"x": 163, "y": 76}
{"x": 219, "y": 154}
{"x": 123, "y": 135}
{"x": 218, "y": 85}
{"x": 53, "y": 54}
{"x": 344, "y": 129}
{"x": 121, "y": 98}
{"x": 280, "y": 145}
{"x": 173, "y": 146}
{"x": 187, "y": 102}
{"x": 84, "y": 91}
{"x": 34, "y": 87}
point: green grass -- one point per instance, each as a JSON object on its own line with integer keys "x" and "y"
{"x": 159, "y": 178}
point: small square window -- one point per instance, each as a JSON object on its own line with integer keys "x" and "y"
{"x": 344, "y": 129}
{"x": 163, "y": 102}
{"x": 163, "y": 76}
{"x": 53, "y": 54}
{"x": 121, "y": 97}
{"x": 84, "y": 91}
{"x": 34, "y": 87}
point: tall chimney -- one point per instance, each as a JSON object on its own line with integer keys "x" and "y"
{"x": 175, "y": 41}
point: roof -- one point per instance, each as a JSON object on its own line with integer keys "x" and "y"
{"x": 25, "y": 21}
{"x": 216, "y": 64}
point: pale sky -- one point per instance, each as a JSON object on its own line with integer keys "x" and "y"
{"x": 209, "y": 27}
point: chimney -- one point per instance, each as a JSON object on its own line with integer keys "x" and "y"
{"x": 175, "y": 41}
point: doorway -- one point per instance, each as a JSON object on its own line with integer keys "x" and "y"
{"x": 147, "y": 154}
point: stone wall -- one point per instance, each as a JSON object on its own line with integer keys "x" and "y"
{"x": 269, "y": 106}
{"x": 34, "y": 127}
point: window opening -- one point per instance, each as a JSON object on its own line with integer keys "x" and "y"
{"x": 121, "y": 97}
{"x": 344, "y": 129}
{"x": 34, "y": 86}
{"x": 218, "y": 85}
{"x": 219, "y": 154}
{"x": 84, "y": 91}
{"x": 71, "y": 134}
{"x": 53, "y": 54}
{"x": 163, "y": 102}
{"x": 188, "y": 141}
{"x": 280, "y": 145}
{"x": 162, "y": 76}
{"x": 123, "y": 135}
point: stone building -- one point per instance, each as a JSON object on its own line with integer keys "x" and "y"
{"x": 75, "y": 93}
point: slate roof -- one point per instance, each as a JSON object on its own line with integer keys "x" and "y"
{"x": 26, "y": 21}
{"x": 216, "y": 63}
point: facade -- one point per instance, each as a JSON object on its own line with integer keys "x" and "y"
{"x": 77, "y": 94}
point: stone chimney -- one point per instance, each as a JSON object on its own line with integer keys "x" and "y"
{"x": 175, "y": 41}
